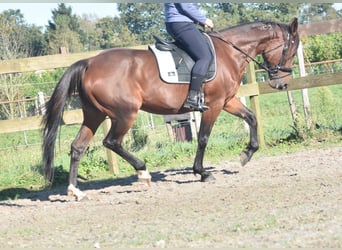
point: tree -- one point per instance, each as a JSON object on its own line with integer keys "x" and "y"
{"x": 311, "y": 12}
{"x": 323, "y": 47}
{"x": 280, "y": 12}
{"x": 89, "y": 34}
{"x": 225, "y": 14}
{"x": 35, "y": 41}
{"x": 114, "y": 33}
{"x": 12, "y": 35}
{"x": 63, "y": 31}
{"x": 228, "y": 14}
{"x": 143, "y": 20}
{"x": 17, "y": 40}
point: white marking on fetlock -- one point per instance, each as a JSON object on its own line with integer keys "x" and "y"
{"x": 144, "y": 177}
{"x": 78, "y": 194}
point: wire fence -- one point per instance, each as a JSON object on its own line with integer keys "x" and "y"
{"x": 147, "y": 127}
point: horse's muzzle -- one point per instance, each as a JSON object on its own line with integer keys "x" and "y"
{"x": 278, "y": 84}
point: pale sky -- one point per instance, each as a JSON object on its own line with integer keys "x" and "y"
{"x": 40, "y": 13}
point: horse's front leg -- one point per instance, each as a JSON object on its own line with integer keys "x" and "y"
{"x": 235, "y": 107}
{"x": 207, "y": 122}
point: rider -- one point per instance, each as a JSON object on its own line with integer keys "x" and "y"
{"x": 180, "y": 21}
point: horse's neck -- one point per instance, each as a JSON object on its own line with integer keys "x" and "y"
{"x": 251, "y": 39}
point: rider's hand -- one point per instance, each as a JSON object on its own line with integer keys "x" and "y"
{"x": 209, "y": 23}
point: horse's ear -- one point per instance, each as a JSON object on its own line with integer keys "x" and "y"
{"x": 294, "y": 25}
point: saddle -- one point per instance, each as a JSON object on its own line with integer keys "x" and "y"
{"x": 175, "y": 64}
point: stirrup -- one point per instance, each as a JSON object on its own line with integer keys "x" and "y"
{"x": 203, "y": 107}
{"x": 201, "y": 102}
{"x": 196, "y": 106}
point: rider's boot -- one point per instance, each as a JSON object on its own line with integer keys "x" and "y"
{"x": 193, "y": 101}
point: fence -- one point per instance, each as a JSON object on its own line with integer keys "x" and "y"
{"x": 252, "y": 90}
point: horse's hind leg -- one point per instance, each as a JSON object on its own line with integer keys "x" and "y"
{"x": 78, "y": 147}
{"x": 113, "y": 141}
{"x": 235, "y": 107}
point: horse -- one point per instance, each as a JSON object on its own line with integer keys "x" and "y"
{"x": 119, "y": 82}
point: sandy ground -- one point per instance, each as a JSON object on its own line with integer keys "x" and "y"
{"x": 293, "y": 200}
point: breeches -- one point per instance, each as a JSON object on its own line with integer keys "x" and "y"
{"x": 192, "y": 41}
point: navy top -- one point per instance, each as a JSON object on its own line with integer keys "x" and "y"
{"x": 183, "y": 12}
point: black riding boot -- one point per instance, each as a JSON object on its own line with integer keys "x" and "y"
{"x": 194, "y": 101}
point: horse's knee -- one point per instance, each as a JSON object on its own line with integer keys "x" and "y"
{"x": 202, "y": 141}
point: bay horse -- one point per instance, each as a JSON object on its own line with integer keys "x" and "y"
{"x": 118, "y": 82}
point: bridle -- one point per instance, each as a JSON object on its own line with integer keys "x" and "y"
{"x": 272, "y": 70}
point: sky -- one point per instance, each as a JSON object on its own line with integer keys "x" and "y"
{"x": 40, "y": 13}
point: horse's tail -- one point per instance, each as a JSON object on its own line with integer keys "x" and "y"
{"x": 69, "y": 83}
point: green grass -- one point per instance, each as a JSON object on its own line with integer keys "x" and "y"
{"x": 20, "y": 154}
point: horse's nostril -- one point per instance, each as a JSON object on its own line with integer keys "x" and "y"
{"x": 285, "y": 86}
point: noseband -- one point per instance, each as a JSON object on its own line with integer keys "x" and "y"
{"x": 272, "y": 70}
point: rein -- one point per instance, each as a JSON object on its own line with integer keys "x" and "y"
{"x": 273, "y": 70}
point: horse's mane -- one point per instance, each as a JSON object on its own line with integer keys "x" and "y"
{"x": 255, "y": 24}
{"x": 261, "y": 24}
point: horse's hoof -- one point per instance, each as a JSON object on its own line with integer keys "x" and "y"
{"x": 207, "y": 177}
{"x": 244, "y": 158}
{"x": 144, "y": 177}
{"x": 78, "y": 194}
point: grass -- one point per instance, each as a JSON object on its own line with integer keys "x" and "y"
{"x": 20, "y": 153}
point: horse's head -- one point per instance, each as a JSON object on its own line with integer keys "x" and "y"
{"x": 279, "y": 55}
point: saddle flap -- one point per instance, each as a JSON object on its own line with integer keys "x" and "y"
{"x": 175, "y": 64}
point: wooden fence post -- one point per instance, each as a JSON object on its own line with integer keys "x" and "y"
{"x": 111, "y": 156}
{"x": 255, "y": 105}
{"x": 195, "y": 121}
{"x": 305, "y": 95}
{"x": 41, "y": 103}
{"x": 293, "y": 109}
{"x": 243, "y": 100}
{"x": 170, "y": 131}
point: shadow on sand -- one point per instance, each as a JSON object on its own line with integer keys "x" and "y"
{"x": 60, "y": 189}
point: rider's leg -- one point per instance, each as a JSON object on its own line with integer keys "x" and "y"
{"x": 192, "y": 41}
{"x": 193, "y": 101}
